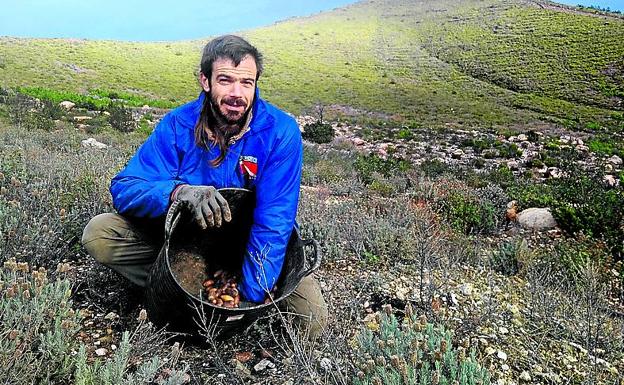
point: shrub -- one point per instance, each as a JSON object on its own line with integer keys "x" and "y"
{"x": 39, "y": 341}
{"x": 367, "y": 165}
{"x": 506, "y": 260}
{"x": 469, "y": 211}
{"x": 121, "y": 117}
{"x": 318, "y": 132}
{"x": 434, "y": 167}
{"x": 414, "y": 351}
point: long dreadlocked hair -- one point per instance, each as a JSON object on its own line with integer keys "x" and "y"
{"x": 236, "y": 49}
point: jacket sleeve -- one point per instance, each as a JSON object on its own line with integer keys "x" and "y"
{"x": 277, "y": 196}
{"x": 142, "y": 189}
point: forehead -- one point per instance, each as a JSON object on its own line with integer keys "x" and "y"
{"x": 225, "y": 66}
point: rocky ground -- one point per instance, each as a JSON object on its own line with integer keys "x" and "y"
{"x": 521, "y": 334}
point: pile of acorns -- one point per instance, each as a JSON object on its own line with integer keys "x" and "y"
{"x": 222, "y": 290}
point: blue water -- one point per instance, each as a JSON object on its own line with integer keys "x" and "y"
{"x": 613, "y": 5}
{"x": 147, "y": 20}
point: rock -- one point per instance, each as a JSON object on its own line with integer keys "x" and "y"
{"x": 501, "y": 355}
{"x": 358, "y": 141}
{"x": 536, "y": 219}
{"x": 490, "y": 350}
{"x": 81, "y": 119}
{"x": 554, "y": 172}
{"x": 522, "y": 138}
{"x": 505, "y": 367}
{"x": 101, "y": 352}
{"x": 525, "y": 376}
{"x": 91, "y": 142}
{"x": 582, "y": 148}
{"x": 67, "y": 105}
{"x": 326, "y": 364}
{"x": 465, "y": 289}
{"x": 145, "y": 107}
{"x": 454, "y": 300}
{"x": 610, "y": 180}
{"x": 457, "y": 154}
{"x": 503, "y": 330}
{"x": 263, "y": 365}
{"x": 564, "y": 139}
{"x": 513, "y": 165}
{"x": 111, "y": 316}
{"x": 615, "y": 160}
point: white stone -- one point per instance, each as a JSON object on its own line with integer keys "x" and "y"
{"x": 505, "y": 367}
{"x": 101, "y": 352}
{"x": 525, "y": 376}
{"x": 457, "y": 154}
{"x": 536, "y": 219}
{"x": 610, "y": 180}
{"x": 91, "y": 142}
{"x": 82, "y": 118}
{"x": 513, "y": 165}
{"x": 67, "y": 105}
{"x": 326, "y": 363}
{"x": 503, "y": 330}
{"x": 111, "y": 316}
{"x": 615, "y": 160}
{"x": 264, "y": 364}
{"x": 501, "y": 355}
{"x": 465, "y": 289}
{"x": 522, "y": 138}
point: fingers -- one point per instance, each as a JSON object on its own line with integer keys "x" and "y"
{"x": 216, "y": 210}
{"x": 225, "y": 207}
{"x": 207, "y": 216}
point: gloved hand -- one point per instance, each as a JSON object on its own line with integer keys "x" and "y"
{"x": 208, "y": 207}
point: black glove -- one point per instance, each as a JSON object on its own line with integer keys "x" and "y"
{"x": 208, "y": 207}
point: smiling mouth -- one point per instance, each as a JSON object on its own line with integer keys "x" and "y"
{"x": 235, "y": 104}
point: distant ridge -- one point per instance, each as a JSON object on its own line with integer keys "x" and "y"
{"x": 384, "y": 62}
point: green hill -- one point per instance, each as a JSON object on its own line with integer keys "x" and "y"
{"x": 444, "y": 63}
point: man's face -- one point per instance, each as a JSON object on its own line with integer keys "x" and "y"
{"x": 231, "y": 87}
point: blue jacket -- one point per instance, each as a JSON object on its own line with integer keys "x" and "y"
{"x": 170, "y": 157}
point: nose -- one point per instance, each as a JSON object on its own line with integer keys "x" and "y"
{"x": 236, "y": 90}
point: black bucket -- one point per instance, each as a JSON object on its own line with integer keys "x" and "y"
{"x": 169, "y": 302}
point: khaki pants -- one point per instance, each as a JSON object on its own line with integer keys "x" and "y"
{"x": 130, "y": 248}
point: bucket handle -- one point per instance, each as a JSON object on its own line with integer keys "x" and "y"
{"x": 314, "y": 260}
{"x": 172, "y": 218}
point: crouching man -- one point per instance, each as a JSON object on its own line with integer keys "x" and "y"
{"x": 228, "y": 137}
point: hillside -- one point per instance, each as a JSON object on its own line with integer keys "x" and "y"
{"x": 478, "y": 63}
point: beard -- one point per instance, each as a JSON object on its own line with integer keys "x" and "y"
{"x": 228, "y": 120}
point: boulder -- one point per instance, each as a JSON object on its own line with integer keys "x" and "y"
{"x": 457, "y": 154}
{"x": 615, "y": 160}
{"x": 536, "y": 219}
{"x": 67, "y": 105}
{"x": 91, "y": 142}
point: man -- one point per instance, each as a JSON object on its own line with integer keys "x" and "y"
{"x": 228, "y": 137}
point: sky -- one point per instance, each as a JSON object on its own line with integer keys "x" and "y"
{"x": 614, "y": 5}
{"x": 147, "y": 20}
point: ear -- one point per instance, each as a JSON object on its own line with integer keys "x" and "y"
{"x": 204, "y": 81}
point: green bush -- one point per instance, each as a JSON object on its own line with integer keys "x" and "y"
{"x": 434, "y": 168}
{"x": 39, "y": 343}
{"x": 121, "y": 118}
{"x": 367, "y": 165}
{"x": 414, "y": 351}
{"x": 506, "y": 260}
{"x": 473, "y": 211}
{"x": 318, "y": 132}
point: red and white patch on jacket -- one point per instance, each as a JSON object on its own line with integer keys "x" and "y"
{"x": 249, "y": 166}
